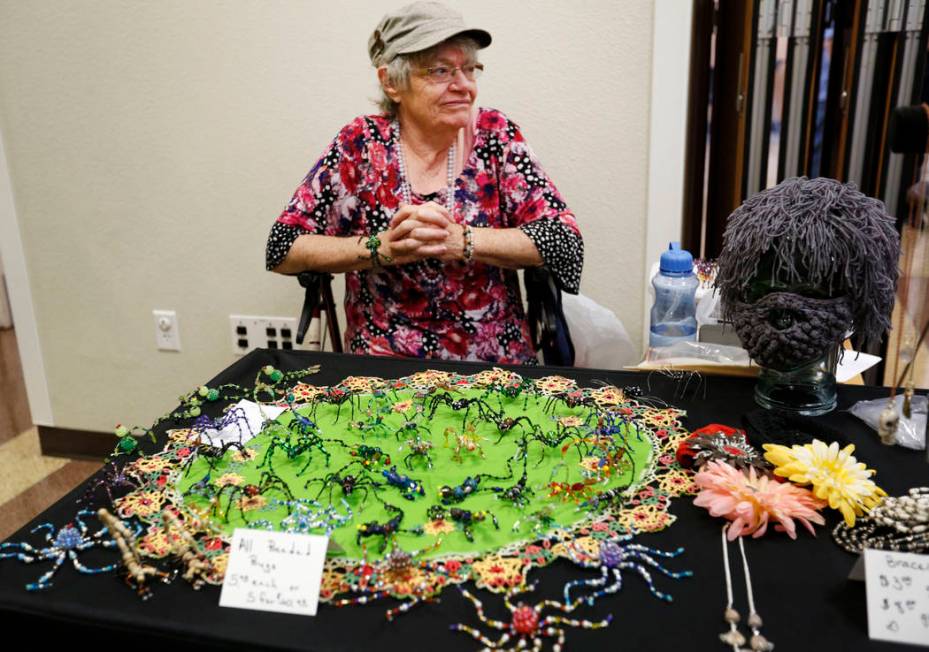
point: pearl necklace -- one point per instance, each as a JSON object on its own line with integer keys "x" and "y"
{"x": 406, "y": 191}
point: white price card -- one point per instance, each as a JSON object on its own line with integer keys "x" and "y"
{"x": 898, "y": 596}
{"x": 274, "y": 571}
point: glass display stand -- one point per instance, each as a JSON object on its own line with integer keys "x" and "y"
{"x": 809, "y": 390}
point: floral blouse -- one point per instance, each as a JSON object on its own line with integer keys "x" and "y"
{"x": 435, "y": 309}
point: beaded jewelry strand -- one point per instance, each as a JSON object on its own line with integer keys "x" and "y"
{"x": 266, "y": 385}
{"x": 898, "y": 523}
{"x": 734, "y": 637}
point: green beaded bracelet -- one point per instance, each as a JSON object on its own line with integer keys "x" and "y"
{"x": 373, "y": 244}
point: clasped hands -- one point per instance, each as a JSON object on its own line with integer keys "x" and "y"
{"x": 421, "y": 231}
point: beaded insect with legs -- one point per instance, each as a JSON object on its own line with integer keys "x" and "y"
{"x": 518, "y": 494}
{"x": 409, "y": 488}
{"x": 113, "y": 478}
{"x": 306, "y": 441}
{"x": 399, "y": 571}
{"x": 386, "y": 530}
{"x": 612, "y": 558}
{"x": 136, "y": 573}
{"x": 465, "y": 441}
{"x": 528, "y": 625}
{"x": 419, "y": 449}
{"x": 349, "y": 483}
{"x": 62, "y": 545}
{"x": 240, "y": 495}
{"x": 369, "y": 456}
{"x": 450, "y": 495}
{"x": 465, "y": 518}
{"x": 458, "y": 404}
{"x": 212, "y": 454}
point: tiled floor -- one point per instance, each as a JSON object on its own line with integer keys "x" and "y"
{"x": 29, "y": 481}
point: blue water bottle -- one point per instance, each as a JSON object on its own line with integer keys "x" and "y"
{"x": 673, "y": 317}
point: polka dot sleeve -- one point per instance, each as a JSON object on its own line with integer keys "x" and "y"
{"x": 561, "y": 248}
{"x": 280, "y": 240}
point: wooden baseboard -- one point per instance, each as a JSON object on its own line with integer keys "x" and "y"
{"x": 75, "y": 444}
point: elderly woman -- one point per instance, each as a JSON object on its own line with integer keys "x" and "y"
{"x": 430, "y": 207}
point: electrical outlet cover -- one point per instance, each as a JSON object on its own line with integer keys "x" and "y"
{"x": 249, "y": 332}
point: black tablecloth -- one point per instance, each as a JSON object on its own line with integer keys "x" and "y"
{"x": 801, "y": 587}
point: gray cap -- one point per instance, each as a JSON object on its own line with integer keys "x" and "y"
{"x": 418, "y": 26}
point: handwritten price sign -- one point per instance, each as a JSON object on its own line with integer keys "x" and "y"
{"x": 898, "y": 596}
{"x": 274, "y": 571}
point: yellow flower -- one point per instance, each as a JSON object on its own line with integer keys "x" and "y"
{"x": 239, "y": 457}
{"x": 402, "y": 406}
{"x": 139, "y": 503}
{"x": 437, "y": 527}
{"x": 835, "y": 475}
{"x": 251, "y": 503}
{"x": 554, "y": 384}
{"x": 609, "y": 395}
{"x": 229, "y": 478}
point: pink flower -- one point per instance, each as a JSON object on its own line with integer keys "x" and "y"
{"x": 751, "y": 502}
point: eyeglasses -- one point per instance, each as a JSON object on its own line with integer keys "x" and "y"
{"x": 444, "y": 74}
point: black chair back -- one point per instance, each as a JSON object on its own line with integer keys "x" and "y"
{"x": 547, "y": 324}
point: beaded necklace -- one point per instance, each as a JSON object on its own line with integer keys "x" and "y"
{"x": 406, "y": 191}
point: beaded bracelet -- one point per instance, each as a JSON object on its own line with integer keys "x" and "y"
{"x": 373, "y": 244}
{"x": 468, "y": 236}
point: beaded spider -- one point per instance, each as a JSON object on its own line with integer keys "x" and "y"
{"x": 349, "y": 483}
{"x": 467, "y": 440}
{"x": 527, "y": 624}
{"x": 240, "y": 496}
{"x": 113, "y": 477}
{"x": 294, "y": 447}
{"x": 419, "y": 449}
{"x": 614, "y": 556}
{"x": 67, "y": 543}
{"x": 400, "y": 573}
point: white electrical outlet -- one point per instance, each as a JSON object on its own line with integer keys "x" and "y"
{"x": 167, "y": 332}
{"x": 250, "y": 332}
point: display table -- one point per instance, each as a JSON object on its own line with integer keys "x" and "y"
{"x": 801, "y": 587}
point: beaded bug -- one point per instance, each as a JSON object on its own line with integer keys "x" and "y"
{"x": 386, "y": 530}
{"x": 419, "y": 449}
{"x": 399, "y": 572}
{"x": 64, "y": 544}
{"x": 468, "y": 440}
{"x": 113, "y": 478}
{"x": 453, "y": 495}
{"x": 466, "y": 519}
{"x": 528, "y": 625}
{"x": 293, "y": 448}
{"x": 615, "y": 556}
{"x": 370, "y": 455}
{"x": 409, "y": 488}
{"x": 349, "y": 483}
{"x": 240, "y": 495}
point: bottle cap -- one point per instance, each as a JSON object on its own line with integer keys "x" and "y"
{"x": 676, "y": 260}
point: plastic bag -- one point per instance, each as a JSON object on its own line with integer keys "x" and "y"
{"x": 600, "y": 340}
{"x": 699, "y": 352}
{"x": 911, "y": 433}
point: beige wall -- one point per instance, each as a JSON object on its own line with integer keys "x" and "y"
{"x": 151, "y": 144}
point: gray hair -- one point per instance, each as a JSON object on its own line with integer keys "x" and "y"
{"x": 398, "y": 70}
{"x": 818, "y": 230}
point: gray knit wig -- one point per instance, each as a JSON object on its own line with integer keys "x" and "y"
{"x": 817, "y": 231}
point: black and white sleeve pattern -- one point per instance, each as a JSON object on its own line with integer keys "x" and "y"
{"x": 280, "y": 240}
{"x": 561, "y": 248}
